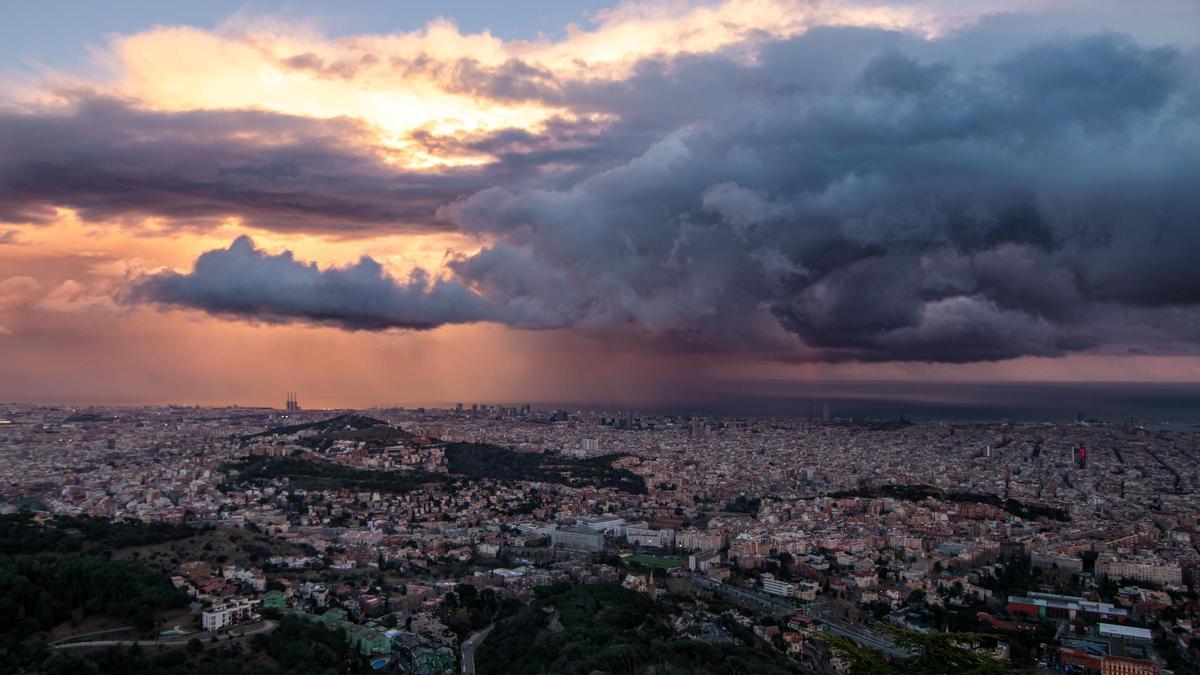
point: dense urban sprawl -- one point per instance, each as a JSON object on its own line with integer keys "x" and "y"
{"x": 1067, "y": 546}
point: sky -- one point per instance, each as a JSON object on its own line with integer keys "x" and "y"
{"x": 644, "y": 203}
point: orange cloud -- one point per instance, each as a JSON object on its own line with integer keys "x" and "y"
{"x": 407, "y": 84}
{"x": 16, "y": 291}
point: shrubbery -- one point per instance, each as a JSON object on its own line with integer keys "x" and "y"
{"x": 607, "y": 628}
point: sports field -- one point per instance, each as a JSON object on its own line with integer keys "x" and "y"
{"x": 655, "y": 561}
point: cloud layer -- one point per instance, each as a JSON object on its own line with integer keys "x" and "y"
{"x": 108, "y": 159}
{"x": 833, "y": 192}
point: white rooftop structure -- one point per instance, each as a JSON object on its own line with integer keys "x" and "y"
{"x": 1117, "y": 630}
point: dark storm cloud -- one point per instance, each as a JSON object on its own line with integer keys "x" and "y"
{"x": 108, "y": 159}
{"x": 244, "y": 281}
{"x": 876, "y": 196}
{"x": 914, "y": 209}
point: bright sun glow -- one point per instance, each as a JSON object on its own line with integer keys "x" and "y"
{"x": 415, "y": 89}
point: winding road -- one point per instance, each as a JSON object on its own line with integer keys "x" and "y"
{"x": 468, "y": 650}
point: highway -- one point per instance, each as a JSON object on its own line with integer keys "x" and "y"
{"x": 862, "y": 637}
{"x": 774, "y": 606}
{"x": 778, "y": 607}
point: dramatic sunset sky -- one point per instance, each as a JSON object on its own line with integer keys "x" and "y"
{"x": 425, "y": 202}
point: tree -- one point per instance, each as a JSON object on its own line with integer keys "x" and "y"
{"x": 195, "y": 646}
{"x": 143, "y": 620}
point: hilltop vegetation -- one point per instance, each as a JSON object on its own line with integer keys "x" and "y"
{"x": 59, "y": 570}
{"x": 465, "y": 461}
{"x": 482, "y": 460}
{"x": 469, "y": 460}
{"x": 38, "y": 592}
{"x": 349, "y": 422}
{"x": 22, "y": 533}
{"x": 376, "y": 437}
{"x": 321, "y": 475}
{"x": 606, "y": 628}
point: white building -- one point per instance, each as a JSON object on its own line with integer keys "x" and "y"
{"x": 1148, "y": 570}
{"x": 610, "y": 525}
{"x": 588, "y": 447}
{"x": 642, "y": 535}
{"x": 776, "y": 587}
{"x": 228, "y": 614}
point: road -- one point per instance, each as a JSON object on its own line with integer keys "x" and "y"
{"x": 468, "y": 650}
{"x": 778, "y": 607}
{"x": 774, "y": 606}
{"x": 82, "y": 636}
{"x": 863, "y": 636}
{"x": 265, "y": 627}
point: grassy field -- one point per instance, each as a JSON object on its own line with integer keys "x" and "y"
{"x": 655, "y": 561}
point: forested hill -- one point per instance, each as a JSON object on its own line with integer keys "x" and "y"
{"x": 56, "y": 570}
{"x": 605, "y": 628}
{"x": 482, "y": 460}
{"x": 22, "y": 532}
{"x": 470, "y": 461}
{"x": 340, "y": 423}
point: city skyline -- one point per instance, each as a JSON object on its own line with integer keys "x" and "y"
{"x": 1154, "y": 404}
{"x": 641, "y": 202}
